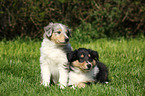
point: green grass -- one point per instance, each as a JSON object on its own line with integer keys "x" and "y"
{"x": 20, "y": 69}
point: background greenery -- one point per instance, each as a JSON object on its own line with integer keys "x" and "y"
{"x": 20, "y": 69}
{"x": 91, "y": 19}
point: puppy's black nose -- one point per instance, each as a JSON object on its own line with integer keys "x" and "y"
{"x": 89, "y": 66}
{"x": 66, "y": 40}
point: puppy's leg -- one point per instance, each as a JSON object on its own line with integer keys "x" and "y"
{"x": 45, "y": 74}
{"x": 63, "y": 77}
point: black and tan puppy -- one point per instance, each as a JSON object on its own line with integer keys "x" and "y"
{"x": 85, "y": 68}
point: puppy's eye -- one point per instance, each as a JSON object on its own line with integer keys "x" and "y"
{"x": 58, "y": 32}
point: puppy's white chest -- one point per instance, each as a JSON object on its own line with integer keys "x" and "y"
{"x": 50, "y": 53}
{"x": 75, "y": 78}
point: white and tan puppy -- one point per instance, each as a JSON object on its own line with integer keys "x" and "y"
{"x": 53, "y": 51}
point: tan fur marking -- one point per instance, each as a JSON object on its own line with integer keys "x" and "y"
{"x": 82, "y": 66}
{"x": 82, "y": 56}
{"x": 79, "y": 65}
{"x": 94, "y": 62}
{"x": 60, "y": 30}
{"x": 58, "y": 39}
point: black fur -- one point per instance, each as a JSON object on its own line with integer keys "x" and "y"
{"x": 74, "y": 55}
{"x": 102, "y": 76}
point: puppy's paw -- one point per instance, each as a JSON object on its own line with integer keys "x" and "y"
{"x": 72, "y": 86}
{"x": 81, "y": 85}
{"x": 46, "y": 84}
{"x": 61, "y": 86}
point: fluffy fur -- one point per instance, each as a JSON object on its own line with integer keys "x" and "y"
{"x": 53, "y": 51}
{"x": 85, "y": 68}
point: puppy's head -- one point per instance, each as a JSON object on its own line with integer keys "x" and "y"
{"x": 83, "y": 59}
{"x": 57, "y": 33}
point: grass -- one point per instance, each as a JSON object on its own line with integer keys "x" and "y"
{"x": 20, "y": 69}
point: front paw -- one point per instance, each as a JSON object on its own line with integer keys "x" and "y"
{"x": 45, "y": 83}
{"x": 81, "y": 85}
{"x": 72, "y": 86}
{"x": 78, "y": 85}
{"x": 61, "y": 86}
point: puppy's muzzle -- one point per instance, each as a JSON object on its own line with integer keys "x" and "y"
{"x": 89, "y": 65}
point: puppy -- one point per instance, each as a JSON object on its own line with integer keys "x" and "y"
{"x": 53, "y": 51}
{"x": 85, "y": 68}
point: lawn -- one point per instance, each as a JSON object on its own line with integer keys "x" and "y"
{"x": 125, "y": 58}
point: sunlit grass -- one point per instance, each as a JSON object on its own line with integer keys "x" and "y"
{"x": 20, "y": 68}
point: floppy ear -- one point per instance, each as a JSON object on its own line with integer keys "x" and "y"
{"x": 94, "y": 54}
{"x": 48, "y": 30}
{"x": 71, "y": 56}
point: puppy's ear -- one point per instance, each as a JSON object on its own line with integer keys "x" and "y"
{"x": 68, "y": 32}
{"x": 94, "y": 54}
{"x": 48, "y": 30}
{"x": 71, "y": 56}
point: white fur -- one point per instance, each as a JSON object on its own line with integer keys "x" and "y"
{"x": 76, "y": 76}
{"x": 52, "y": 61}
